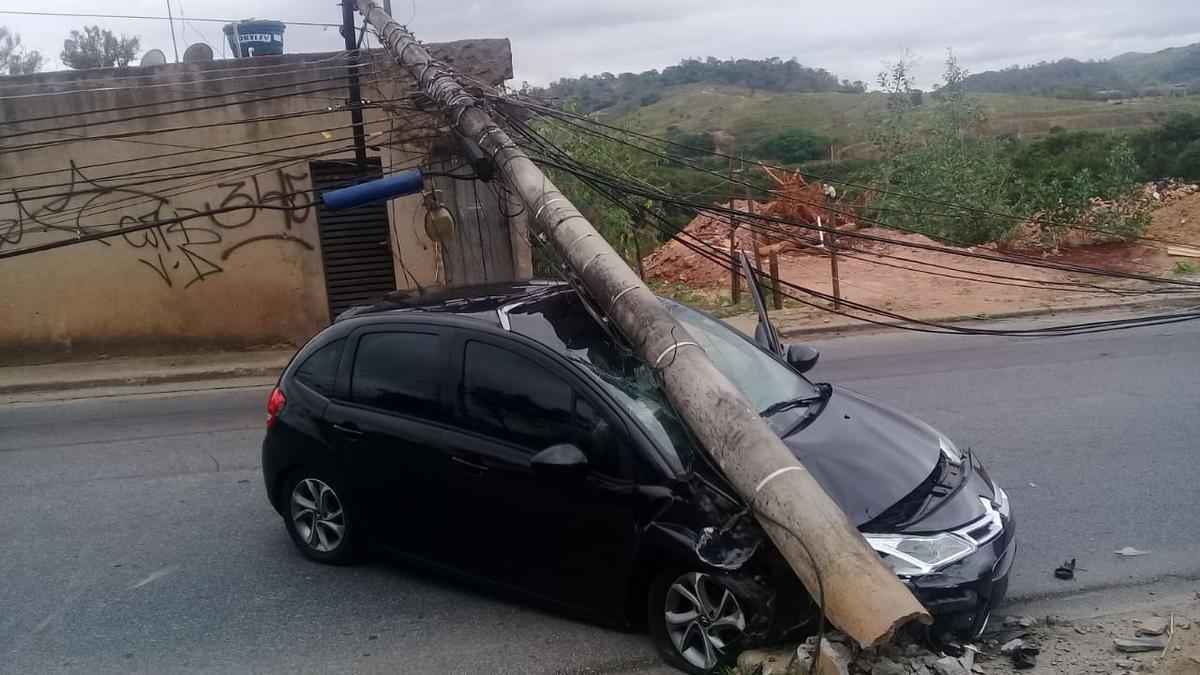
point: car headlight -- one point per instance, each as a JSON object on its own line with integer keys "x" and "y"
{"x": 949, "y": 450}
{"x": 1001, "y": 502}
{"x": 913, "y": 555}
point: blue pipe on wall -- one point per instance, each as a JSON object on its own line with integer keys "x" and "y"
{"x": 407, "y": 182}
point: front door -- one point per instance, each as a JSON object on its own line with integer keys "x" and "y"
{"x": 571, "y": 542}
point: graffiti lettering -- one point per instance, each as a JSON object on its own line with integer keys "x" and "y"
{"x": 184, "y": 252}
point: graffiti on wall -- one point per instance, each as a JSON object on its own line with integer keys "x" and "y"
{"x": 180, "y": 252}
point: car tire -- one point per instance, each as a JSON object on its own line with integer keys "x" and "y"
{"x": 318, "y": 513}
{"x": 697, "y": 620}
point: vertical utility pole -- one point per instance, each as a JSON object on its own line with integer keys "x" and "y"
{"x": 637, "y": 251}
{"x": 735, "y": 281}
{"x": 849, "y": 580}
{"x": 355, "y": 92}
{"x": 831, "y": 244}
{"x": 171, "y": 20}
{"x": 776, "y": 291}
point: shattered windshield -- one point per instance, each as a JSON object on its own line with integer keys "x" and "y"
{"x": 561, "y": 323}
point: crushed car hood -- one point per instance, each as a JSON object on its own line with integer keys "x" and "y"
{"x": 866, "y": 455}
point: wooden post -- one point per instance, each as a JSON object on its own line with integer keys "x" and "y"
{"x": 859, "y": 594}
{"x": 637, "y": 251}
{"x": 735, "y": 279}
{"x": 776, "y": 291}
{"x": 831, "y": 244}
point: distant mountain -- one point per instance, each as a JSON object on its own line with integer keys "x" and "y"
{"x": 1173, "y": 70}
{"x": 626, "y": 91}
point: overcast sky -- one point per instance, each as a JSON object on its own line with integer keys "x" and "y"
{"x": 557, "y": 38}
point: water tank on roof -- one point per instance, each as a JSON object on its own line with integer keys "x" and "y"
{"x": 255, "y": 37}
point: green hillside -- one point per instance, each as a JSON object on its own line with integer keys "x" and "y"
{"x": 752, "y": 116}
{"x": 1174, "y": 70}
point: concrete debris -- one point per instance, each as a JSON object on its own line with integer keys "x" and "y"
{"x": 1142, "y": 644}
{"x": 1025, "y": 657}
{"x": 835, "y": 659}
{"x": 1151, "y": 626}
{"x": 1020, "y": 621}
{"x": 840, "y": 657}
{"x": 948, "y": 665}
{"x": 886, "y": 666}
{"x": 1012, "y": 646}
{"x": 1130, "y": 552}
{"x": 772, "y": 661}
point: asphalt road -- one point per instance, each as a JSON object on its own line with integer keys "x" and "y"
{"x": 135, "y": 535}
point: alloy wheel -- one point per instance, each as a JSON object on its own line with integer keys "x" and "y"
{"x": 317, "y": 515}
{"x": 703, "y": 618}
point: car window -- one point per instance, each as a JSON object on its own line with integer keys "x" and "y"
{"x": 401, "y": 373}
{"x": 319, "y": 370}
{"x": 513, "y": 398}
{"x": 562, "y": 323}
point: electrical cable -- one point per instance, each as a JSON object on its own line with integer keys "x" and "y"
{"x": 912, "y": 324}
{"x": 157, "y": 174}
{"x": 291, "y": 87}
{"x": 190, "y": 149}
{"x": 243, "y": 72}
{"x": 787, "y": 235}
{"x": 182, "y": 83}
{"x": 151, "y": 132}
{"x": 1032, "y": 219}
{"x": 154, "y": 18}
{"x": 1021, "y": 260}
{"x": 174, "y": 191}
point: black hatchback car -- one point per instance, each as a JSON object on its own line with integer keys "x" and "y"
{"x": 502, "y": 434}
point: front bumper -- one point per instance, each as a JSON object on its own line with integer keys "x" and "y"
{"x": 962, "y": 596}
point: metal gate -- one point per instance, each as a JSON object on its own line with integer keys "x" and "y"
{"x": 355, "y": 243}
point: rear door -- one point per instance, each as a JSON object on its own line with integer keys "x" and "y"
{"x": 391, "y": 422}
{"x": 572, "y": 543}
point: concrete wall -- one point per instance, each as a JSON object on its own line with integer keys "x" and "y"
{"x": 251, "y": 276}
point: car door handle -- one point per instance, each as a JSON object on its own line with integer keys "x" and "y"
{"x": 468, "y": 463}
{"x": 348, "y": 430}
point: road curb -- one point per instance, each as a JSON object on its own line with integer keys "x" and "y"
{"x": 142, "y": 380}
{"x": 968, "y": 318}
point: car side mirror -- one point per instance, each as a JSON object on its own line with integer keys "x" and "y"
{"x": 560, "y": 463}
{"x": 802, "y": 357}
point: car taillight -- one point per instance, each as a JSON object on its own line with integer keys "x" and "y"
{"x": 275, "y": 405}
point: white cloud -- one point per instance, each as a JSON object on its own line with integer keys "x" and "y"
{"x": 572, "y": 37}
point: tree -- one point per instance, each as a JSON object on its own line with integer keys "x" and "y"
{"x": 95, "y": 48}
{"x": 14, "y": 58}
{"x": 943, "y": 153}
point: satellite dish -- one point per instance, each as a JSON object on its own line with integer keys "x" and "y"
{"x": 197, "y": 53}
{"x": 154, "y": 57}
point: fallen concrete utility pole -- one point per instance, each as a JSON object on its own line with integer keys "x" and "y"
{"x": 861, "y": 595}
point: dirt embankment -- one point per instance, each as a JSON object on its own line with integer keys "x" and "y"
{"x": 905, "y": 277}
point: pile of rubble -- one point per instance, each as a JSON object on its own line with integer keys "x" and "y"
{"x": 839, "y": 656}
{"x": 1167, "y": 191}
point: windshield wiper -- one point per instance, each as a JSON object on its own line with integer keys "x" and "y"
{"x": 823, "y": 389}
